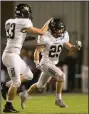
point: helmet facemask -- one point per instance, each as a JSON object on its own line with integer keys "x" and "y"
{"x": 57, "y": 27}
{"x": 57, "y": 32}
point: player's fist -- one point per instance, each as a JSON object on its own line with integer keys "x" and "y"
{"x": 38, "y": 66}
{"x": 79, "y": 44}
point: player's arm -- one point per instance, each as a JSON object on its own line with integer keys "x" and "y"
{"x": 69, "y": 46}
{"x": 39, "y": 31}
{"x": 73, "y": 48}
{"x": 38, "y": 49}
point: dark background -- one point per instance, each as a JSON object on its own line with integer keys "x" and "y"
{"x": 75, "y": 16}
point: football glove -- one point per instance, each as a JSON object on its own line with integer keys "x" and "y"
{"x": 38, "y": 66}
{"x": 78, "y": 44}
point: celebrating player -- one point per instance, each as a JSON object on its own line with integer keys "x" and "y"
{"x": 50, "y": 45}
{"x": 16, "y": 30}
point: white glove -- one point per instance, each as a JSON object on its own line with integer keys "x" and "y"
{"x": 38, "y": 66}
{"x": 79, "y": 44}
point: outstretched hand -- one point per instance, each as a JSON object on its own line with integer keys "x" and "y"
{"x": 49, "y": 20}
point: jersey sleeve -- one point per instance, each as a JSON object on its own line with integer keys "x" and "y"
{"x": 43, "y": 39}
{"x": 65, "y": 38}
{"x": 40, "y": 40}
{"x": 28, "y": 23}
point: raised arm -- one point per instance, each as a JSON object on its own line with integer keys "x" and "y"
{"x": 73, "y": 48}
{"x": 39, "y": 31}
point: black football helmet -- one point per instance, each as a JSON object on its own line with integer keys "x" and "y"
{"x": 23, "y": 11}
{"x": 57, "y": 27}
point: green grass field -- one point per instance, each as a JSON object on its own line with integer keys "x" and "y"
{"x": 45, "y": 104}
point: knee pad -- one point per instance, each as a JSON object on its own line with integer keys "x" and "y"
{"x": 16, "y": 83}
{"x": 40, "y": 86}
{"x": 29, "y": 76}
{"x": 61, "y": 78}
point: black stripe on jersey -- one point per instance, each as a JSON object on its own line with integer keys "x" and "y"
{"x": 51, "y": 71}
{"x": 13, "y": 72}
{"x": 24, "y": 30}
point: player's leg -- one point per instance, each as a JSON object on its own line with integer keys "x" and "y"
{"x": 44, "y": 78}
{"x": 59, "y": 75}
{"x": 59, "y": 87}
{"x": 23, "y": 69}
{"x": 4, "y": 89}
{"x": 15, "y": 83}
{"x": 14, "y": 73}
{"x": 24, "y": 95}
{"x": 59, "y": 100}
{"x": 6, "y": 85}
{"x": 28, "y": 75}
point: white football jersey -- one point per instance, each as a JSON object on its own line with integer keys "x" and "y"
{"x": 15, "y": 33}
{"x": 53, "y": 46}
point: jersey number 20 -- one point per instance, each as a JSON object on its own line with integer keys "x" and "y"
{"x": 55, "y": 50}
{"x": 10, "y": 30}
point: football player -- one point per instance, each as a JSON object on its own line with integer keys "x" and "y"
{"x": 50, "y": 45}
{"x": 16, "y": 30}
